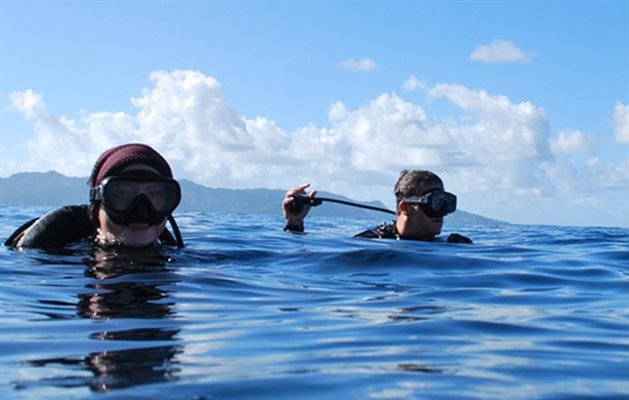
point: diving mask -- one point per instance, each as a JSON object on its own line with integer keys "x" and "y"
{"x": 137, "y": 196}
{"x": 436, "y": 203}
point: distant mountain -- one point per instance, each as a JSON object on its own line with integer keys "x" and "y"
{"x": 42, "y": 189}
{"x": 257, "y": 201}
{"x": 53, "y": 189}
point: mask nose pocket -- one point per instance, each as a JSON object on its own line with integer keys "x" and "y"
{"x": 144, "y": 208}
{"x": 142, "y": 211}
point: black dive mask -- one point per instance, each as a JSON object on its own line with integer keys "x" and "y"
{"x": 137, "y": 197}
{"x": 436, "y": 203}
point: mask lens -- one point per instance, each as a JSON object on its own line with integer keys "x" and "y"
{"x": 163, "y": 195}
{"x": 120, "y": 194}
{"x": 440, "y": 201}
{"x": 436, "y": 203}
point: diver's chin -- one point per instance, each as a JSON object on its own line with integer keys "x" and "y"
{"x": 437, "y": 225}
{"x": 138, "y": 238}
{"x": 137, "y": 226}
{"x": 137, "y": 234}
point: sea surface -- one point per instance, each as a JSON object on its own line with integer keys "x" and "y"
{"x": 247, "y": 311}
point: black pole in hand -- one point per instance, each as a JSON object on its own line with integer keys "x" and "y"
{"x": 315, "y": 201}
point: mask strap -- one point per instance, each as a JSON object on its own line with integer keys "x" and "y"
{"x": 177, "y": 232}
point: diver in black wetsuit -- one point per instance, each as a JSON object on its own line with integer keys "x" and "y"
{"x": 132, "y": 195}
{"x": 421, "y": 205}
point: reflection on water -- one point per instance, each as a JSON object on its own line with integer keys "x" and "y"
{"x": 249, "y": 311}
{"x": 114, "y": 369}
{"x": 123, "y": 284}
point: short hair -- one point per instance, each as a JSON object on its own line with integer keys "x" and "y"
{"x": 411, "y": 183}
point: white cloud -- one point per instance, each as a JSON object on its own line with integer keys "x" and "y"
{"x": 185, "y": 115}
{"x": 412, "y": 83}
{"x": 389, "y": 125}
{"x": 620, "y": 123}
{"x": 589, "y": 176}
{"x": 499, "y": 130}
{"x": 28, "y": 102}
{"x": 500, "y": 51}
{"x": 612, "y": 176}
{"x": 491, "y": 145}
{"x": 57, "y": 138}
{"x": 570, "y": 141}
{"x": 590, "y": 201}
{"x": 364, "y": 64}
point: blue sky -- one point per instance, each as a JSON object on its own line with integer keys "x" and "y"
{"x": 520, "y": 106}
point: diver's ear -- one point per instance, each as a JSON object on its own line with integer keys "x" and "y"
{"x": 402, "y": 208}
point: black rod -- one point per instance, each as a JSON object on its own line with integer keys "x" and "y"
{"x": 315, "y": 201}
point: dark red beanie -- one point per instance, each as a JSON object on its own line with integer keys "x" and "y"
{"x": 114, "y": 160}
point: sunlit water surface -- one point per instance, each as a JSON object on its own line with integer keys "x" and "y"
{"x": 248, "y": 311}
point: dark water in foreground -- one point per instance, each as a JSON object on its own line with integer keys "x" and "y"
{"x": 248, "y": 311}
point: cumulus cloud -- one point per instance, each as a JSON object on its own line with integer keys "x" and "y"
{"x": 412, "y": 83}
{"x": 492, "y": 145}
{"x": 604, "y": 175}
{"x": 390, "y": 125}
{"x": 570, "y": 141}
{"x": 185, "y": 115}
{"x": 578, "y": 175}
{"x": 28, "y": 103}
{"x": 58, "y": 137}
{"x": 500, "y": 129}
{"x": 590, "y": 201}
{"x": 364, "y": 64}
{"x": 620, "y": 123}
{"x": 587, "y": 177}
{"x": 500, "y": 51}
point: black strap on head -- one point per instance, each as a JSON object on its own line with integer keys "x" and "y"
{"x": 168, "y": 239}
{"x": 177, "y": 232}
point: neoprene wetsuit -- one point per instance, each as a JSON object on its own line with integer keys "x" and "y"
{"x": 389, "y": 231}
{"x": 61, "y": 227}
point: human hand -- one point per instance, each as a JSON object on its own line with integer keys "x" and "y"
{"x": 294, "y": 214}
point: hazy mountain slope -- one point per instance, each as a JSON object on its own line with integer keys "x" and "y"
{"x": 52, "y": 189}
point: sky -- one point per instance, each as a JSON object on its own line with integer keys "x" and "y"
{"x": 521, "y": 107}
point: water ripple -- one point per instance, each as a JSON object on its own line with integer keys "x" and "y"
{"x": 526, "y": 312}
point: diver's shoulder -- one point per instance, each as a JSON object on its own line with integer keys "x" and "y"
{"x": 458, "y": 238}
{"x": 385, "y": 230}
{"x": 57, "y": 227}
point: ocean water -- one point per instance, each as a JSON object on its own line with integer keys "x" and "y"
{"x": 248, "y": 311}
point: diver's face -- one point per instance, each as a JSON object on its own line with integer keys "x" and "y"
{"x": 133, "y": 234}
{"x": 417, "y": 225}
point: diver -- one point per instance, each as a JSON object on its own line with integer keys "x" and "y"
{"x": 132, "y": 196}
{"x": 421, "y": 205}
